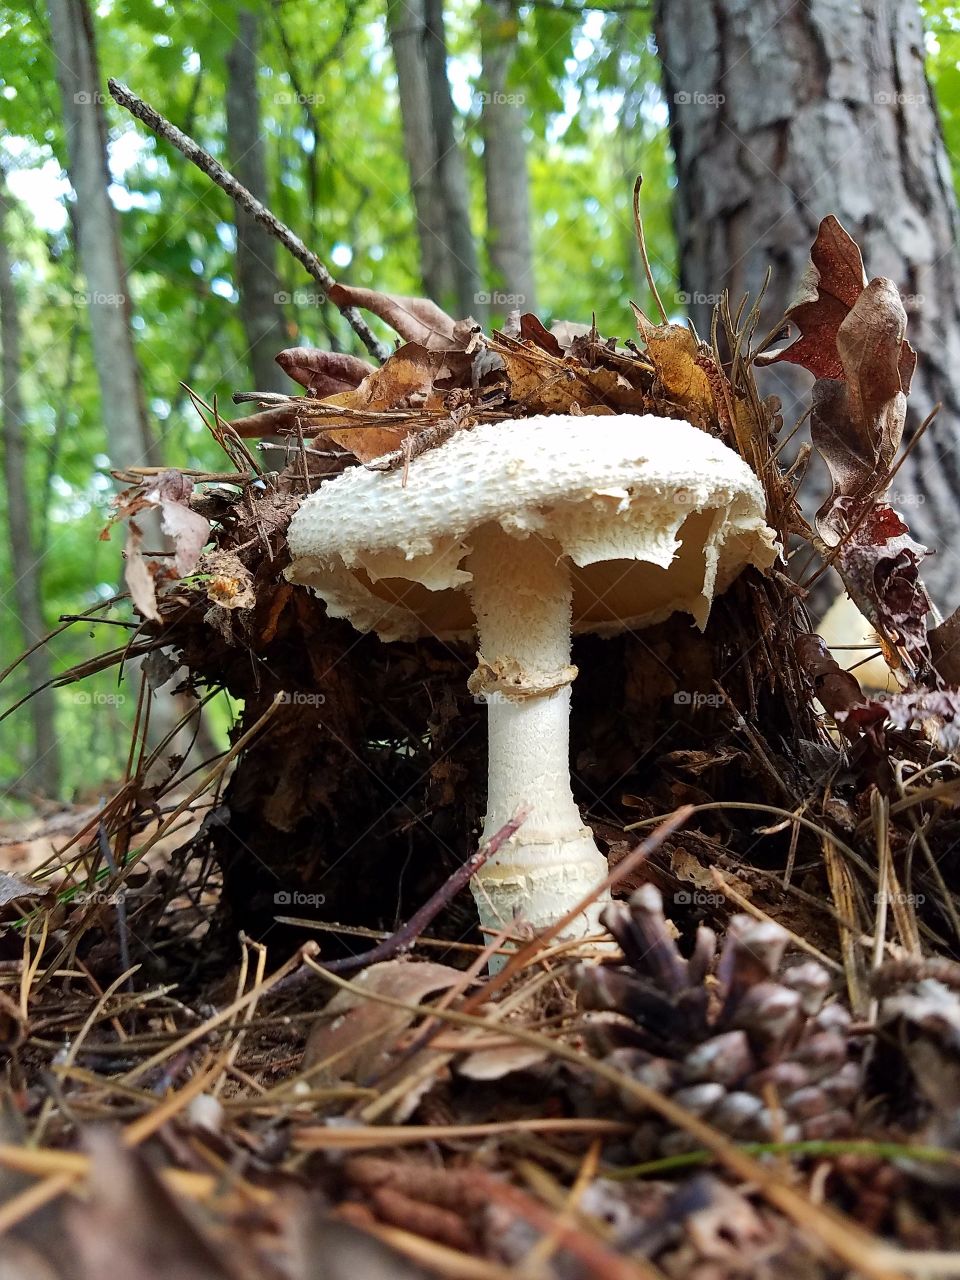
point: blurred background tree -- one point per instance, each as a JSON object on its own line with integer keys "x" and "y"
{"x": 481, "y": 151}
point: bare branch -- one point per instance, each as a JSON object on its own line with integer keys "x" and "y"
{"x": 242, "y": 197}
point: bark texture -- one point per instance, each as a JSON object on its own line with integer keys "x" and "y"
{"x": 782, "y": 113}
{"x": 503, "y": 120}
{"x": 129, "y": 440}
{"x": 257, "y": 281}
{"x": 43, "y": 768}
{"x": 438, "y": 178}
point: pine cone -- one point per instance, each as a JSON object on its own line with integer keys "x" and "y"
{"x": 725, "y": 1046}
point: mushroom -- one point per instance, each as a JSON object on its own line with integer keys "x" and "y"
{"x": 521, "y": 532}
{"x": 846, "y": 630}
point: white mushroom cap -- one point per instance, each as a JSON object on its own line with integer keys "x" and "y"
{"x": 654, "y": 516}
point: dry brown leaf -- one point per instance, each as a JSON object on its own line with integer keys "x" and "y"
{"x": 189, "y": 530}
{"x": 880, "y": 567}
{"x": 500, "y": 1061}
{"x": 323, "y": 373}
{"x": 533, "y": 330}
{"x": 837, "y": 690}
{"x": 15, "y": 888}
{"x": 354, "y": 1036}
{"x": 407, "y": 380}
{"x": 831, "y": 283}
{"x": 138, "y": 574}
{"x": 545, "y": 383}
{"x": 415, "y": 319}
{"x": 271, "y": 422}
{"x": 673, "y": 352}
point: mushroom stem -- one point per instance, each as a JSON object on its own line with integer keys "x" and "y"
{"x": 522, "y": 597}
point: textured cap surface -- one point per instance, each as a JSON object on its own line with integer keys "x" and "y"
{"x": 653, "y": 515}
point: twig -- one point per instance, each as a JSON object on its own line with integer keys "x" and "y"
{"x": 120, "y": 898}
{"x": 638, "y": 224}
{"x": 249, "y": 203}
{"x": 405, "y": 937}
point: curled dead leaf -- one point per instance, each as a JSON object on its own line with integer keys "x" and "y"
{"x": 415, "y": 319}
{"x": 323, "y": 373}
{"x": 353, "y": 1037}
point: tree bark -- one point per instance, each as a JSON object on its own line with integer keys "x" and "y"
{"x": 438, "y": 181}
{"x": 257, "y": 281}
{"x": 502, "y": 121}
{"x": 129, "y": 441}
{"x": 43, "y": 770}
{"x": 782, "y": 113}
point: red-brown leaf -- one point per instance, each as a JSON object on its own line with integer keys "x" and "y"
{"x": 323, "y": 373}
{"x": 831, "y": 283}
{"x": 415, "y": 319}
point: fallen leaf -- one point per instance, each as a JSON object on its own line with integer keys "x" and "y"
{"x": 353, "y": 1036}
{"x": 673, "y": 352}
{"x": 138, "y": 575}
{"x": 936, "y": 710}
{"x": 495, "y": 1063}
{"x": 837, "y": 690}
{"x": 831, "y": 283}
{"x": 880, "y": 567}
{"x": 857, "y": 421}
{"x": 533, "y": 330}
{"x": 15, "y": 888}
{"x": 415, "y": 319}
{"x": 323, "y": 373}
{"x": 190, "y": 531}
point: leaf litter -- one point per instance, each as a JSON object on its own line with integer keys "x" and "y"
{"x": 761, "y": 1076}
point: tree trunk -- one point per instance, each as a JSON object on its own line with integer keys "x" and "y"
{"x": 43, "y": 771}
{"x": 128, "y": 432}
{"x": 122, "y": 405}
{"x": 782, "y": 113}
{"x": 502, "y": 120}
{"x": 257, "y": 282}
{"x": 451, "y": 170}
{"x": 438, "y": 182}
